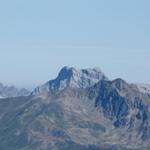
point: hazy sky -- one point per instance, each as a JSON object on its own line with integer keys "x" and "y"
{"x": 38, "y": 37}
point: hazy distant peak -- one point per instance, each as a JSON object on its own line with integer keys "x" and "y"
{"x": 12, "y": 91}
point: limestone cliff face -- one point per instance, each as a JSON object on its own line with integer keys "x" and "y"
{"x": 72, "y": 77}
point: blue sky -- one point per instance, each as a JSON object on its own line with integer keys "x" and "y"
{"x": 37, "y": 38}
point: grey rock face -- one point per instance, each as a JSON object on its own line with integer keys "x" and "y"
{"x": 74, "y": 78}
{"x": 125, "y": 106}
{"x": 11, "y": 91}
{"x": 107, "y": 115}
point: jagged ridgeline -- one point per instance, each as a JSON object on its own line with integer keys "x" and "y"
{"x": 79, "y": 110}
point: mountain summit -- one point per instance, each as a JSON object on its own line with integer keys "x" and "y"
{"x": 74, "y": 78}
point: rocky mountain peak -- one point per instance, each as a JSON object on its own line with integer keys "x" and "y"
{"x": 72, "y": 77}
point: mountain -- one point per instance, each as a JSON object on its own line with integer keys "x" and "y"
{"x": 72, "y": 77}
{"x": 100, "y": 114}
{"x": 11, "y": 91}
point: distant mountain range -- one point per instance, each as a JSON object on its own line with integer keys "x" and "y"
{"x": 79, "y": 110}
{"x": 11, "y": 91}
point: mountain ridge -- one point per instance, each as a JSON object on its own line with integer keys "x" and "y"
{"x": 102, "y": 114}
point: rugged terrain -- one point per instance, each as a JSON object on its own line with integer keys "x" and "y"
{"x": 79, "y": 110}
